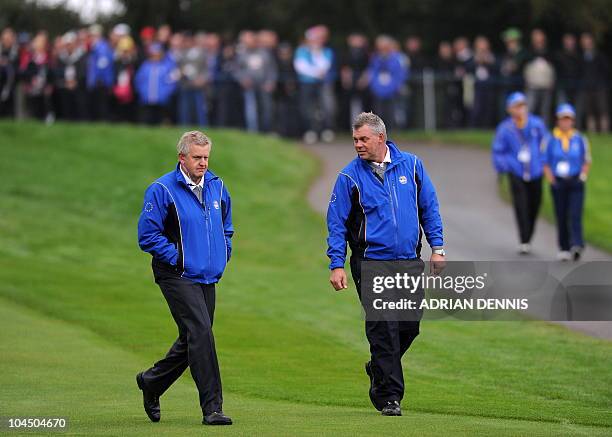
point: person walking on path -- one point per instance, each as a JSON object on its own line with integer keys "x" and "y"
{"x": 517, "y": 152}
{"x": 382, "y": 203}
{"x": 186, "y": 225}
{"x": 567, "y": 160}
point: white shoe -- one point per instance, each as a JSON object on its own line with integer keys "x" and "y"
{"x": 576, "y": 253}
{"x": 328, "y": 136}
{"x": 524, "y": 249}
{"x": 310, "y": 137}
{"x": 564, "y": 255}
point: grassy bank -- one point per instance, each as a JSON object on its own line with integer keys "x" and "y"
{"x": 80, "y": 314}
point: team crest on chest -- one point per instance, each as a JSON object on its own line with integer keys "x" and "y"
{"x": 216, "y": 204}
{"x": 403, "y": 179}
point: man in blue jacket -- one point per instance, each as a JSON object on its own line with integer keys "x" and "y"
{"x": 186, "y": 225}
{"x": 155, "y": 82}
{"x": 517, "y": 151}
{"x": 100, "y": 74}
{"x": 387, "y": 75}
{"x": 381, "y": 204}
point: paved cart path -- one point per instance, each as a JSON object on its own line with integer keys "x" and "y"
{"x": 478, "y": 225}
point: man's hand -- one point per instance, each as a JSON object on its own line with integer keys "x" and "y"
{"x": 436, "y": 264}
{"x": 548, "y": 174}
{"x": 338, "y": 280}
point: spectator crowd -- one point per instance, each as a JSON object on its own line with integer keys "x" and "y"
{"x": 261, "y": 84}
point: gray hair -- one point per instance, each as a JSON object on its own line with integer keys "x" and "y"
{"x": 194, "y": 137}
{"x": 372, "y": 120}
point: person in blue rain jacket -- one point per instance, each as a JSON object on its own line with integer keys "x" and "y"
{"x": 100, "y": 75}
{"x": 516, "y": 152}
{"x": 186, "y": 226}
{"x": 387, "y": 74}
{"x": 382, "y": 203}
{"x": 155, "y": 82}
{"x": 567, "y": 160}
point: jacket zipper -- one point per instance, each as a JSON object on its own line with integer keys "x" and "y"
{"x": 393, "y": 210}
{"x": 207, "y": 220}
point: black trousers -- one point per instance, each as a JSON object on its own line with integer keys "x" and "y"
{"x": 151, "y": 114}
{"x": 99, "y": 103}
{"x": 192, "y": 306}
{"x": 73, "y": 104}
{"x": 389, "y": 341}
{"x": 526, "y": 199}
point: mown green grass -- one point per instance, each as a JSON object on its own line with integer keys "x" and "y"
{"x": 598, "y": 203}
{"x": 80, "y": 314}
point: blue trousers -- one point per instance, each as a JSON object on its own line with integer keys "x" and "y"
{"x": 568, "y": 196}
{"x": 258, "y": 109}
{"x": 192, "y": 107}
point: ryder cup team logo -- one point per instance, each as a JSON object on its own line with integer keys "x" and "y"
{"x": 332, "y": 198}
{"x": 148, "y": 207}
{"x": 216, "y": 204}
{"x": 403, "y": 179}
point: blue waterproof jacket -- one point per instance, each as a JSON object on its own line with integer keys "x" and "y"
{"x": 184, "y": 235}
{"x": 100, "y": 68}
{"x": 518, "y": 151}
{"x": 154, "y": 81}
{"x": 566, "y": 162}
{"x": 383, "y": 220}
{"x": 387, "y": 75}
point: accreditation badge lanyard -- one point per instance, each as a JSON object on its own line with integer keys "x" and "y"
{"x": 562, "y": 169}
{"x": 524, "y": 154}
{"x": 384, "y": 77}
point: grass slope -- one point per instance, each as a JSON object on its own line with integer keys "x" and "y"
{"x": 80, "y": 314}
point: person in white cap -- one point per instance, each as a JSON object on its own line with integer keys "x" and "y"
{"x": 567, "y": 160}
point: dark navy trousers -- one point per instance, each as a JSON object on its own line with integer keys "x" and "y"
{"x": 568, "y": 196}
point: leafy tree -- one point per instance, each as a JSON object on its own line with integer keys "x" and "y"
{"x": 31, "y": 16}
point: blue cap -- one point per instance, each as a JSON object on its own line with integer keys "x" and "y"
{"x": 565, "y": 110}
{"x": 515, "y": 98}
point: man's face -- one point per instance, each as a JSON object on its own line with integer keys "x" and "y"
{"x": 196, "y": 161}
{"x": 369, "y": 145}
{"x": 586, "y": 41}
{"x": 565, "y": 123}
{"x": 569, "y": 42}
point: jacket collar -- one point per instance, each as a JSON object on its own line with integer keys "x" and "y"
{"x": 208, "y": 176}
{"x": 394, "y": 151}
{"x": 564, "y": 137}
{"x": 396, "y": 154}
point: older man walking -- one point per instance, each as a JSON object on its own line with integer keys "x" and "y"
{"x": 382, "y": 202}
{"x": 186, "y": 225}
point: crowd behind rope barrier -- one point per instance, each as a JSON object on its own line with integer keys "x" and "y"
{"x": 309, "y": 90}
